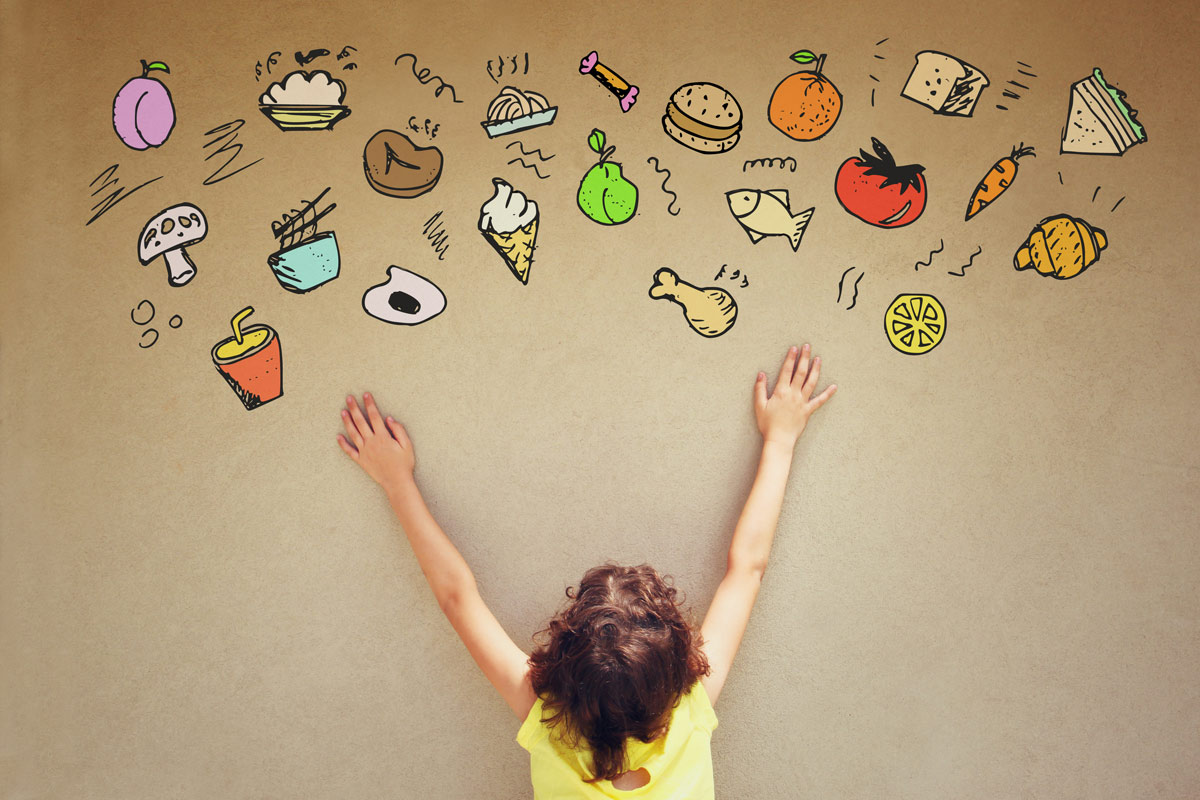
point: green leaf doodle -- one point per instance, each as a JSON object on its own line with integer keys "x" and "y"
{"x": 803, "y": 57}
{"x": 596, "y": 140}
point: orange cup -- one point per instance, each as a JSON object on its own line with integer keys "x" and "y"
{"x": 254, "y": 374}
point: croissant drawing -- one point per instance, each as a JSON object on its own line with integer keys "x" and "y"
{"x": 1061, "y": 246}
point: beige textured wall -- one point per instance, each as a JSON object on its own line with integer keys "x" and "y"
{"x": 984, "y": 582}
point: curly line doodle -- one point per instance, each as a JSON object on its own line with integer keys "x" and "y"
{"x": 841, "y": 281}
{"x": 437, "y": 236}
{"x": 941, "y": 246}
{"x": 430, "y": 132}
{"x": 500, "y": 62}
{"x": 117, "y": 195}
{"x": 271, "y": 61}
{"x": 653, "y": 161}
{"x": 783, "y": 163}
{"x": 346, "y": 51}
{"x": 537, "y": 152}
{"x": 227, "y": 139}
{"x": 303, "y": 58}
{"x": 533, "y": 167}
{"x": 962, "y": 271}
{"x": 425, "y": 76}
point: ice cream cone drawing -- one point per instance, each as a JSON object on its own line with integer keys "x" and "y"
{"x": 250, "y": 361}
{"x": 509, "y": 223}
{"x": 710, "y": 311}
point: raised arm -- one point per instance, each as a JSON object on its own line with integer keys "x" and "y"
{"x": 384, "y": 451}
{"x": 781, "y": 419}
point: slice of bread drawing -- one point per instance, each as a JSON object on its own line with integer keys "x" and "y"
{"x": 945, "y": 84}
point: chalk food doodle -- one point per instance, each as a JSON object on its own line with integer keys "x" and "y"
{"x": 508, "y": 222}
{"x": 397, "y": 167}
{"x": 805, "y": 105}
{"x": 250, "y": 361}
{"x": 915, "y": 323}
{"x": 305, "y": 102}
{"x": 175, "y": 321}
{"x": 710, "y": 312}
{"x": 945, "y": 84}
{"x": 515, "y": 110}
{"x": 405, "y": 298}
{"x": 1100, "y": 120}
{"x": 605, "y": 195}
{"x": 703, "y": 117}
{"x": 143, "y": 113}
{"x": 625, "y": 92}
{"x": 875, "y": 189}
{"x": 167, "y": 234}
{"x": 768, "y": 213}
{"x": 997, "y": 181}
{"x": 1061, "y": 247}
{"x": 305, "y": 259}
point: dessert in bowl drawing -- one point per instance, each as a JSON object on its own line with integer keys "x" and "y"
{"x": 305, "y": 101}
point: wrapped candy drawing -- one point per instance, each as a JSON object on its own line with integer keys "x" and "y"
{"x": 1061, "y": 246}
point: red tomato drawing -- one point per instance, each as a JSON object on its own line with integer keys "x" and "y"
{"x": 877, "y": 191}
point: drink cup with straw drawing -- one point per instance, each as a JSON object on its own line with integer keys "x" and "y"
{"x": 250, "y": 361}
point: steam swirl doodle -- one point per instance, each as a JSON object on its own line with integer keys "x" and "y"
{"x": 425, "y": 76}
{"x": 653, "y": 161}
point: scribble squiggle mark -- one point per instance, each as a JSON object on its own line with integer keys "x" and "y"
{"x": 437, "y": 236}
{"x": 941, "y": 246}
{"x": 425, "y": 76}
{"x": 537, "y": 151}
{"x": 788, "y": 162}
{"x": 841, "y": 280}
{"x": 653, "y": 161}
{"x": 962, "y": 271}
{"x": 854, "y": 299}
{"x": 533, "y": 167}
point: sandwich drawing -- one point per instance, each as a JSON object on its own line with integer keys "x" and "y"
{"x": 509, "y": 223}
{"x": 944, "y": 83}
{"x": 1100, "y": 120}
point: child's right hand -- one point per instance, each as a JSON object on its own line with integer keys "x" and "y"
{"x": 782, "y": 416}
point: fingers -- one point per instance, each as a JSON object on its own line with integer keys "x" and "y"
{"x": 373, "y": 415}
{"x": 802, "y": 367}
{"x": 356, "y": 414}
{"x": 351, "y": 430}
{"x": 810, "y": 383}
{"x": 398, "y": 432}
{"x": 823, "y": 397}
{"x": 785, "y": 371}
{"x": 350, "y": 451}
{"x": 760, "y": 391}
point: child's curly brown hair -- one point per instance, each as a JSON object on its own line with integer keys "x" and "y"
{"x": 615, "y": 662}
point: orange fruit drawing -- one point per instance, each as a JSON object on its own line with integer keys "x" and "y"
{"x": 805, "y": 105}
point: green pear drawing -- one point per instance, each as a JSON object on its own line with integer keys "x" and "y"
{"x": 605, "y": 195}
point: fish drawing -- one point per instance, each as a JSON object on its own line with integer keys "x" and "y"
{"x": 768, "y": 214}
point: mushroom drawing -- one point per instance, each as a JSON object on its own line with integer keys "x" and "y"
{"x": 167, "y": 234}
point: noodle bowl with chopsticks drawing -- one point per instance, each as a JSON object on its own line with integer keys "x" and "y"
{"x": 306, "y": 259}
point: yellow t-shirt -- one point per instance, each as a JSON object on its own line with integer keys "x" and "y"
{"x": 679, "y": 763}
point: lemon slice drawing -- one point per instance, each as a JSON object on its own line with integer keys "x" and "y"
{"x": 915, "y": 323}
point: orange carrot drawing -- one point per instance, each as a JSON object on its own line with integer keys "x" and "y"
{"x": 998, "y": 179}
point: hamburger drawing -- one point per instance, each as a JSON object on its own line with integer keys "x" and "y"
{"x": 703, "y": 117}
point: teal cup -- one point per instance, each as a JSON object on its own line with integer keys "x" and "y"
{"x": 305, "y": 266}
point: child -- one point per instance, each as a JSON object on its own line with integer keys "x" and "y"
{"x": 619, "y": 697}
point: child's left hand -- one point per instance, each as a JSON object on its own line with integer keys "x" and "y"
{"x": 380, "y": 446}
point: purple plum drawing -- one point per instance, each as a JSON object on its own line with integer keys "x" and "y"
{"x": 143, "y": 115}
